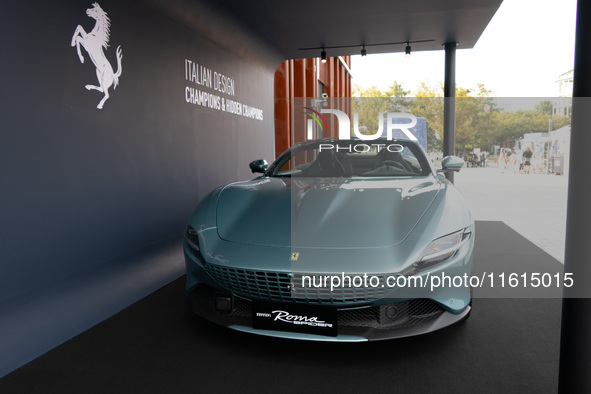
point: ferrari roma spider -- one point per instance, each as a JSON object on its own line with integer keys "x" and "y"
{"x": 336, "y": 240}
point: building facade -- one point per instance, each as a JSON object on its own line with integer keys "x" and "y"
{"x": 297, "y": 83}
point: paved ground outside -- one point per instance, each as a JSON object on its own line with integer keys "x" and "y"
{"x": 534, "y": 205}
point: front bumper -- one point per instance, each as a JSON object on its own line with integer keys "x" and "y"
{"x": 391, "y": 320}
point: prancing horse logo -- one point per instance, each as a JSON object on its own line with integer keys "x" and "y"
{"x": 94, "y": 42}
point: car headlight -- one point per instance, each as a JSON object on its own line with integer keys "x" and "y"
{"x": 440, "y": 250}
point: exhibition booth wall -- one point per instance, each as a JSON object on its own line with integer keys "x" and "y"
{"x": 95, "y": 187}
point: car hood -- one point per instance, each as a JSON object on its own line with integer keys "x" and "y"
{"x": 324, "y": 213}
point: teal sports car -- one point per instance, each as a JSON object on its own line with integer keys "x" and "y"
{"x": 336, "y": 240}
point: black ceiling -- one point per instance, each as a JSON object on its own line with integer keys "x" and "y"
{"x": 290, "y": 26}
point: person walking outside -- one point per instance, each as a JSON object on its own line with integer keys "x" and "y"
{"x": 527, "y": 155}
{"x": 502, "y": 160}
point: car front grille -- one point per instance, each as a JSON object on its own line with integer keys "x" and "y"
{"x": 279, "y": 286}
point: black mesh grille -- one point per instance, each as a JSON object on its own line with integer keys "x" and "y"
{"x": 365, "y": 317}
{"x": 401, "y": 314}
{"x": 242, "y": 307}
{"x": 277, "y": 286}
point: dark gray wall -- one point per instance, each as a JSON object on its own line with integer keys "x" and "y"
{"x": 93, "y": 201}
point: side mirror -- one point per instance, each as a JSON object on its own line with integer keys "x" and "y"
{"x": 451, "y": 163}
{"x": 259, "y": 166}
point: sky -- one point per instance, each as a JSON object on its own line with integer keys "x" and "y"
{"x": 521, "y": 53}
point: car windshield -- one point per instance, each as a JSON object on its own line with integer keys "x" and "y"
{"x": 351, "y": 158}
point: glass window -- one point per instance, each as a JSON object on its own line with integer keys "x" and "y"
{"x": 352, "y": 158}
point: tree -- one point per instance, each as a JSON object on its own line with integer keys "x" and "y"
{"x": 398, "y": 96}
{"x": 429, "y": 105}
{"x": 474, "y": 112}
{"x": 544, "y": 108}
{"x": 472, "y": 115}
{"x": 480, "y": 123}
{"x": 368, "y": 104}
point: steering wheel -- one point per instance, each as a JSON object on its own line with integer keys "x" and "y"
{"x": 393, "y": 163}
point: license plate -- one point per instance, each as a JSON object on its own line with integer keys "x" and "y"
{"x": 295, "y": 318}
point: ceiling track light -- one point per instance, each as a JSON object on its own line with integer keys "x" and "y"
{"x": 407, "y": 50}
{"x": 323, "y": 56}
{"x": 367, "y": 45}
{"x": 363, "y": 51}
